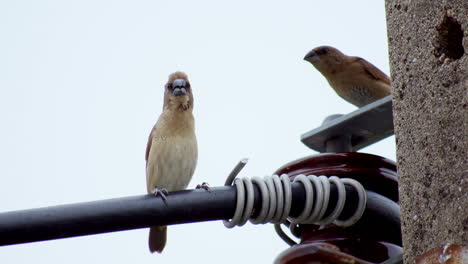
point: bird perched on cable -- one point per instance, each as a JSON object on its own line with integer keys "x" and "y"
{"x": 354, "y": 79}
{"x": 171, "y": 153}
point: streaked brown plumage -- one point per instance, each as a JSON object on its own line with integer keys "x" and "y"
{"x": 171, "y": 153}
{"x": 353, "y": 78}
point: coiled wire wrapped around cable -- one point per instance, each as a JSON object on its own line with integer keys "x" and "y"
{"x": 276, "y": 200}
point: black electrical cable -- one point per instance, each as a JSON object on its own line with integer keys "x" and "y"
{"x": 147, "y": 210}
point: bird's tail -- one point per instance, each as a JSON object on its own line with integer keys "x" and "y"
{"x": 157, "y": 238}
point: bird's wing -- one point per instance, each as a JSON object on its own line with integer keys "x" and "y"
{"x": 148, "y": 145}
{"x": 373, "y": 71}
{"x": 153, "y": 150}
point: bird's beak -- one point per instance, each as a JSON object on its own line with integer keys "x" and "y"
{"x": 311, "y": 57}
{"x": 179, "y": 87}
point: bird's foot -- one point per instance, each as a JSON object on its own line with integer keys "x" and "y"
{"x": 204, "y": 185}
{"x": 161, "y": 192}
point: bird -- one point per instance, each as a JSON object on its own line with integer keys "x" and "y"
{"x": 172, "y": 152}
{"x": 353, "y": 78}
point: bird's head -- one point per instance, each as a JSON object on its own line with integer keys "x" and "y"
{"x": 325, "y": 58}
{"x": 178, "y": 93}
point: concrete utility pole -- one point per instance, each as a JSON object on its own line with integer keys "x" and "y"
{"x": 428, "y": 45}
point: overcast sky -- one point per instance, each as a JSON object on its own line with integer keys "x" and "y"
{"x": 81, "y": 85}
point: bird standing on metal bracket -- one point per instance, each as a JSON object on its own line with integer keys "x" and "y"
{"x": 171, "y": 153}
{"x": 353, "y": 79}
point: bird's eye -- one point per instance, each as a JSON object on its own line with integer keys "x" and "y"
{"x": 169, "y": 86}
{"x": 322, "y": 51}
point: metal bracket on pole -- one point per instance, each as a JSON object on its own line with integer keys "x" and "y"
{"x": 354, "y": 131}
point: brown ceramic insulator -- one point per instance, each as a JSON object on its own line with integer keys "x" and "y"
{"x": 373, "y": 172}
{"x": 317, "y": 253}
{"x": 365, "y": 242}
{"x": 351, "y": 241}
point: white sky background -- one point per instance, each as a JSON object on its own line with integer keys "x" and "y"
{"x": 81, "y": 85}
